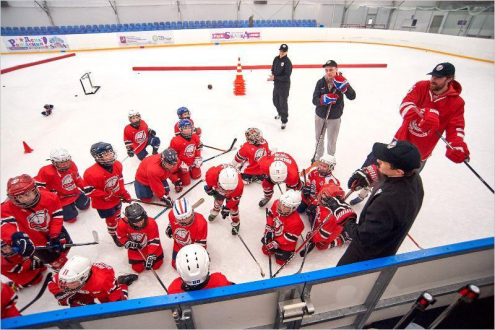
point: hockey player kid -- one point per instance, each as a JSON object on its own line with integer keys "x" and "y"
{"x": 105, "y": 176}
{"x": 152, "y": 174}
{"x": 225, "y": 184}
{"x": 80, "y": 282}
{"x": 62, "y": 177}
{"x": 277, "y": 168}
{"x": 249, "y": 154}
{"x": 188, "y": 147}
{"x": 9, "y": 297}
{"x": 184, "y": 113}
{"x": 185, "y": 227}
{"x": 137, "y": 136}
{"x": 139, "y": 234}
{"x": 38, "y": 214}
{"x": 283, "y": 227}
{"x": 316, "y": 179}
{"x": 18, "y": 262}
{"x": 193, "y": 266}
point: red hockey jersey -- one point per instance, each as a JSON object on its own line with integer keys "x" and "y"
{"x": 450, "y": 106}
{"x": 151, "y": 173}
{"x": 101, "y": 285}
{"x": 216, "y": 280}
{"x": 65, "y": 183}
{"x": 249, "y": 155}
{"x": 287, "y": 228}
{"x": 314, "y": 178}
{"x": 187, "y": 149}
{"x": 233, "y": 198}
{"x": 109, "y": 186}
{"x": 292, "y": 180}
{"x": 330, "y": 230}
{"x": 196, "y": 232}
{"x": 136, "y": 138}
{"x": 40, "y": 222}
{"x": 9, "y": 297}
{"x": 148, "y": 238}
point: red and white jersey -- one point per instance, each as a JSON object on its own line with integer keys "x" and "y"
{"x": 287, "y": 228}
{"x": 185, "y": 235}
{"x": 151, "y": 173}
{"x": 101, "y": 285}
{"x": 65, "y": 183}
{"x": 249, "y": 156}
{"x": 148, "y": 237}
{"x": 330, "y": 230}
{"x": 215, "y": 280}
{"x": 187, "y": 149}
{"x": 136, "y": 138}
{"x": 233, "y": 198}
{"x": 9, "y": 297}
{"x": 177, "y": 130}
{"x": 317, "y": 180}
{"x": 292, "y": 180}
{"x": 40, "y": 222}
{"x": 109, "y": 186}
{"x": 450, "y": 106}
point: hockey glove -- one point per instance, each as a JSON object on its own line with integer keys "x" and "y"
{"x": 130, "y": 152}
{"x": 150, "y": 261}
{"x": 151, "y": 132}
{"x": 167, "y": 201}
{"x": 268, "y": 237}
{"x": 365, "y": 177}
{"x": 309, "y": 247}
{"x": 125, "y": 196}
{"x": 57, "y": 241}
{"x": 339, "y": 241}
{"x": 272, "y": 246}
{"x": 36, "y": 263}
{"x": 328, "y": 99}
{"x": 183, "y": 167}
{"x": 198, "y": 161}
{"x": 460, "y": 152}
{"x": 340, "y": 82}
{"x": 210, "y": 191}
{"x": 311, "y": 210}
{"x": 430, "y": 122}
{"x": 341, "y": 210}
{"x": 131, "y": 245}
{"x": 22, "y": 244}
{"x": 225, "y": 212}
{"x": 178, "y": 186}
{"x": 306, "y": 191}
{"x": 88, "y": 190}
{"x": 168, "y": 231}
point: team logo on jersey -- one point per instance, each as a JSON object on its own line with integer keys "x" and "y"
{"x": 140, "y": 238}
{"x": 39, "y": 220}
{"x": 182, "y": 236}
{"x": 282, "y": 64}
{"x": 415, "y": 130}
{"x": 279, "y": 226}
{"x": 392, "y": 144}
{"x": 68, "y": 182}
{"x": 190, "y": 150}
{"x": 259, "y": 153}
{"x": 140, "y": 137}
{"x": 112, "y": 184}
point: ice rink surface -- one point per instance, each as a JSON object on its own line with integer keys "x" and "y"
{"x": 457, "y": 207}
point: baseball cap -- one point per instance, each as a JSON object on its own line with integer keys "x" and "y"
{"x": 284, "y": 47}
{"x": 330, "y": 63}
{"x": 402, "y": 154}
{"x": 443, "y": 70}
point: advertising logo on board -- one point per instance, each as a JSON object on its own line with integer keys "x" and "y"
{"x": 36, "y": 43}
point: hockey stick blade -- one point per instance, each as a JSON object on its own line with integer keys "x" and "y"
{"x": 198, "y": 203}
{"x": 262, "y": 273}
{"x": 95, "y": 236}
{"x": 40, "y": 293}
{"x": 150, "y": 203}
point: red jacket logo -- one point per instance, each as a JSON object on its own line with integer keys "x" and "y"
{"x": 140, "y": 137}
{"x": 182, "y": 236}
{"x": 39, "y": 220}
{"x": 189, "y": 150}
{"x": 68, "y": 182}
{"x": 112, "y": 184}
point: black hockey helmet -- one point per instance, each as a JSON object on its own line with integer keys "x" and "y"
{"x": 169, "y": 156}
{"x": 134, "y": 214}
{"x": 99, "y": 149}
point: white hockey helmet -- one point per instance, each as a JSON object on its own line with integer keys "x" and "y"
{"x": 60, "y": 155}
{"x": 228, "y": 178}
{"x": 289, "y": 202}
{"x": 193, "y": 264}
{"x": 330, "y": 160}
{"x": 183, "y": 211}
{"x": 133, "y": 113}
{"x": 278, "y": 171}
{"x": 76, "y": 269}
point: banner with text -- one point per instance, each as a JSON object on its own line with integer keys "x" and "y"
{"x": 145, "y": 38}
{"x": 233, "y": 35}
{"x": 36, "y": 43}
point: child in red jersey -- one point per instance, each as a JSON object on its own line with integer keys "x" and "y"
{"x": 137, "y": 136}
{"x": 139, "y": 234}
{"x": 106, "y": 186}
{"x": 193, "y": 265}
{"x": 79, "y": 283}
{"x": 185, "y": 227}
{"x": 62, "y": 177}
{"x": 9, "y": 297}
{"x": 249, "y": 154}
{"x": 184, "y": 113}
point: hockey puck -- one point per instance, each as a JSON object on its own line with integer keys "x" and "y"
{"x": 75, "y": 95}
{"x": 210, "y": 86}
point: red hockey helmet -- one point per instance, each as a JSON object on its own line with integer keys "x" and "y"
{"x": 22, "y": 185}
{"x": 330, "y": 190}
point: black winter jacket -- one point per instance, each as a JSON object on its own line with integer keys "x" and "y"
{"x": 282, "y": 69}
{"x": 338, "y": 108}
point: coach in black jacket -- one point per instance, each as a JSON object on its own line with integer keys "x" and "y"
{"x": 392, "y": 208}
{"x": 281, "y": 71}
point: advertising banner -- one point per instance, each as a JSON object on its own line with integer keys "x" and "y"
{"x": 145, "y": 38}
{"x": 35, "y": 43}
{"x": 233, "y": 35}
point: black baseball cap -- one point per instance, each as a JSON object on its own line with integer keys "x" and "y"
{"x": 284, "y": 47}
{"x": 443, "y": 70}
{"x": 402, "y": 154}
{"x": 330, "y": 63}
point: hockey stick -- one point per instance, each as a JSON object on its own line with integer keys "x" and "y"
{"x": 247, "y": 248}
{"x": 185, "y": 193}
{"x": 281, "y": 192}
{"x": 228, "y": 150}
{"x": 151, "y": 203}
{"x": 152, "y": 270}
{"x": 269, "y": 255}
{"x": 414, "y": 241}
{"x": 96, "y": 240}
{"x": 198, "y": 203}
{"x": 306, "y": 246}
{"x": 125, "y": 184}
{"x": 452, "y": 148}
{"x": 40, "y": 293}
{"x": 323, "y": 128}
{"x": 204, "y": 145}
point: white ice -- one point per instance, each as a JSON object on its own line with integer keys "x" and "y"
{"x": 457, "y": 206}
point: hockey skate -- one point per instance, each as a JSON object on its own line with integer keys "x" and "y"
{"x": 235, "y": 227}
{"x": 356, "y": 200}
{"x": 127, "y": 279}
{"x": 283, "y": 125}
{"x": 116, "y": 241}
{"x": 213, "y": 214}
{"x": 277, "y": 117}
{"x": 264, "y": 201}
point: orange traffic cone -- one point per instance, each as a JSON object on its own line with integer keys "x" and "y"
{"x": 239, "y": 83}
{"x": 27, "y": 149}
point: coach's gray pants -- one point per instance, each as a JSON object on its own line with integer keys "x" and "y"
{"x": 332, "y": 130}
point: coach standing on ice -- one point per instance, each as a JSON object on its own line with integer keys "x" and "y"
{"x": 281, "y": 71}
{"x": 392, "y": 208}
